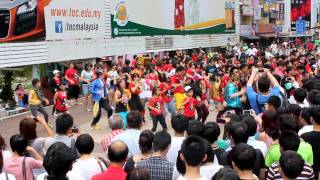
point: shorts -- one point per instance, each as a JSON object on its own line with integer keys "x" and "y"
{"x": 135, "y": 103}
{"x": 85, "y": 89}
{"x": 73, "y": 91}
{"x": 179, "y": 97}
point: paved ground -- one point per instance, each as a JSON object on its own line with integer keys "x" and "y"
{"x": 82, "y": 119}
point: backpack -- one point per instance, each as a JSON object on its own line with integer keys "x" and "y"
{"x": 284, "y": 100}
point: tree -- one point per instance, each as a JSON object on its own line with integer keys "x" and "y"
{"x": 7, "y": 76}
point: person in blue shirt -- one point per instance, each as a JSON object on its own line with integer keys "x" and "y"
{"x": 100, "y": 99}
{"x": 260, "y": 97}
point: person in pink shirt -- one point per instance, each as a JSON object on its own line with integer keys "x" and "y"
{"x": 19, "y": 164}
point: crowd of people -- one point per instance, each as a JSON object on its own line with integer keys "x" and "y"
{"x": 267, "y": 102}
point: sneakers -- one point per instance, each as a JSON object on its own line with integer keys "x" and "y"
{"x": 96, "y": 127}
{"x": 55, "y": 114}
{"x": 88, "y": 110}
{"x": 113, "y": 108}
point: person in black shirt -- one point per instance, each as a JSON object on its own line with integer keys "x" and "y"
{"x": 313, "y": 138}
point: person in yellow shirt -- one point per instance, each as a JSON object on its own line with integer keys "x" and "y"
{"x": 36, "y": 100}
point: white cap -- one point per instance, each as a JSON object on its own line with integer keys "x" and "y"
{"x": 187, "y": 88}
{"x": 56, "y": 72}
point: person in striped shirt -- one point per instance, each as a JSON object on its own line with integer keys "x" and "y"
{"x": 116, "y": 125}
{"x": 290, "y": 166}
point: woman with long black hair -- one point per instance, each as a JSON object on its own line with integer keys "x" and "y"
{"x": 121, "y": 97}
{"x": 135, "y": 87}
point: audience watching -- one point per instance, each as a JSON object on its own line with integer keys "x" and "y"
{"x": 64, "y": 133}
{"x": 157, "y": 166}
{"x": 138, "y": 174}
{"x": 290, "y": 166}
{"x": 58, "y": 163}
{"x": 179, "y": 125}
{"x": 243, "y": 159}
{"x": 19, "y": 164}
{"x": 116, "y": 125}
{"x": 313, "y": 139}
{"x": 211, "y": 134}
{"x": 145, "y": 145}
{"x": 131, "y": 135}
{"x": 117, "y": 155}
{"x": 87, "y": 165}
{"x": 4, "y": 155}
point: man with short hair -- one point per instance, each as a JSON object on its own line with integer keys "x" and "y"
{"x": 131, "y": 135}
{"x": 239, "y": 134}
{"x": 157, "y": 166}
{"x": 116, "y": 125}
{"x": 193, "y": 153}
{"x": 64, "y": 133}
{"x": 243, "y": 159}
{"x": 260, "y": 98}
{"x": 313, "y": 138}
{"x": 179, "y": 125}
{"x": 290, "y": 166}
{"x": 117, "y": 154}
{"x": 273, "y": 103}
{"x": 252, "y": 130}
{"x": 195, "y": 128}
{"x": 299, "y": 98}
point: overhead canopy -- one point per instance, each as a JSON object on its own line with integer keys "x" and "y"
{"x": 251, "y": 37}
{"x": 268, "y": 35}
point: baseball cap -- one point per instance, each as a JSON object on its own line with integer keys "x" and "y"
{"x": 187, "y": 88}
{"x": 56, "y": 72}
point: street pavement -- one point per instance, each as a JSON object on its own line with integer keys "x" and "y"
{"x": 82, "y": 119}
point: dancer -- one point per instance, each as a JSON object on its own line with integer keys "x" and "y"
{"x": 122, "y": 96}
{"x": 100, "y": 98}
{"x": 135, "y": 88}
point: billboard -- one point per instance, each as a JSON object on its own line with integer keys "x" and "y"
{"x": 171, "y": 17}
{"x": 77, "y": 19}
{"x": 38, "y": 20}
{"x": 300, "y": 9}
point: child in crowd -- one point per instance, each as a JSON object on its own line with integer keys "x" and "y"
{"x": 60, "y": 99}
{"x": 190, "y": 104}
{"x": 156, "y": 106}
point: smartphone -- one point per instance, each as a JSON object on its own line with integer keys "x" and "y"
{"x": 35, "y": 119}
{"x": 220, "y": 120}
{"x": 75, "y": 130}
{"x": 246, "y": 112}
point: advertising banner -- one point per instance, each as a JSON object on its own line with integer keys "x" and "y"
{"x": 171, "y": 17}
{"x": 75, "y": 19}
{"x": 281, "y": 11}
{"x": 300, "y": 9}
{"x": 301, "y": 27}
{"x": 38, "y": 20}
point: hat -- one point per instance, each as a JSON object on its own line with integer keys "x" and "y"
{"x": 56, "y": 72}
{"x": 187, "y": 88}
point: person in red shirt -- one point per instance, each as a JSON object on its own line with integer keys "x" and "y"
{"x": 166, "y": 92}
{"x": 190, "y": 73}
{"x": 117, "y": 154}
{"x": 156, "y": 106}
{"x": 190, "y": 104}
{"x": 135, "y": 88}
{"x": 72, "y": 77}
{"x": 177, "y": 83}
{"x": 60, "y": 99}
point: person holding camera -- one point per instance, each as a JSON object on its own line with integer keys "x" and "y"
{"x": 260, "y": 97}
{"x": 37, "y": 100}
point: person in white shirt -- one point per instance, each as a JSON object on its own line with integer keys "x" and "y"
{"x": 252, "y": 51}
{"x": 179, "y": 125}
{"x": 252, "y": 129}
{"x": 299, "y": 98}
{"x": 274, "y": 47}
{"x": 57, "y": 162}
{"x": 87, "y": 165}
{"x": 305, "y": 121}
{"x": 193, "y": 153}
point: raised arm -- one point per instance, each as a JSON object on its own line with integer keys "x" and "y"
{"x": 253, "y": 75}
